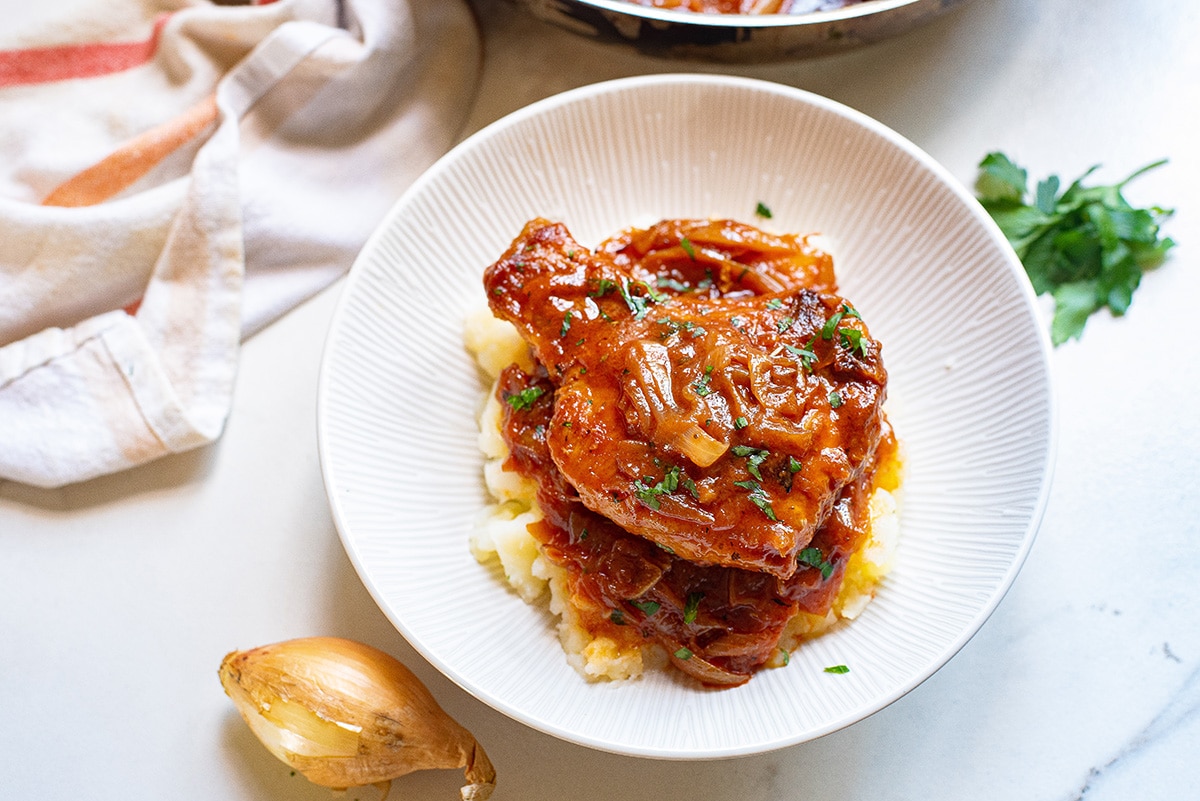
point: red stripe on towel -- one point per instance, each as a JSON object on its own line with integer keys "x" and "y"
{"x": 62, "y": 62}
{"x": 135, "y": 158}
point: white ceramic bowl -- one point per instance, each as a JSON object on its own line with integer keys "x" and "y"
{"x": 970, "y": 394}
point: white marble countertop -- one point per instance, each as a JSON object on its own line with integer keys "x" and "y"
{"x": 119, "y": 597}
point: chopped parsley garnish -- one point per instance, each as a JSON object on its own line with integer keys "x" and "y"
{"x": 566, "y": 325}
{"x": 657, "y": 297}
{"x": 690, "y": 486}
{"x": 617, "y": 617}
{"x": 837, "y": 669}
{"x": 670, "y": 283}
{"x": 762, "y": 211}
{"x": 835, "y": 399}
{"x": 852, "y": 340}
{"x": 524, "y": 399}
{"x": 741, "y": 422}
{"x": 603, "y": 287}
{"x": 648, "y": 608}
{"x": 757, "y": 496}
{"x": 683, "y": 653}
{"x": 637, "y": 303}
{"x": 687, "y": 325}
{"x": 753, "y": 456}
{"x": 1087, "y": 247}
{"x": 649, "y": 495}
{"x": 774, "y": 303}
{"x": 686, "y": 244}
{"x": 788, "y": 478}
{"x": 831, "y": 325}
{"x": 692, "y": 607}
{"x": 814, "y": 558}
{"x": 784, "y": 324}
{"x": 700, "y": 385}
{"x": 805, "y": 354}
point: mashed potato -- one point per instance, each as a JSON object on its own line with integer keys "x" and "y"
{"x": 501, "y": 536}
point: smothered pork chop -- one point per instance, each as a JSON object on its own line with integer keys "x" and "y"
{"x": 702, "y": 422}
{"x": 706, "y": 396}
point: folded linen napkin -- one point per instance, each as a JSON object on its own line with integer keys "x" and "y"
{"x": 174, "y": 175}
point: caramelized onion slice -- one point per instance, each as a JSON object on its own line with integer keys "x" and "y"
{"x": 701, "y": 669}
{"x": 651, "y": 389}
{"x": 697, "y": 445}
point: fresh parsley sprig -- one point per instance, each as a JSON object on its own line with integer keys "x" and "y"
{"x": 1086, "y": 246}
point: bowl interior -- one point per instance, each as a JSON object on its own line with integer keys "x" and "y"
{"x": 970, "y": 394}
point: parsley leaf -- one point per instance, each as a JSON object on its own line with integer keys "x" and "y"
{"x": 692, "y": 608}
{"x": 675, "y": 327}
{"x": 665, "y": 282}
{"x": 753, "y": 456}
{"x": 648, "y": 608}
{"x": 837, "y": 669}
{"x": 762, "y": 211}
{"x": 1085, "y": 246}
{"x": 814, "y": 558}
{"x": 805, "y": 354}
{"x": 524, "y": 399}
{"x": 831, "y": 325}
{"x": 757, "y": 496}
{"x": 603, "y": 287}
{"x": 852, "y": 340}
{"x": 649, "y": 495}
{"x": 637, "y": 303}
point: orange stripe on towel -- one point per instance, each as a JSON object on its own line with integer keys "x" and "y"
{"x": 62, "y": 62}
{"x": 134, "y": 159}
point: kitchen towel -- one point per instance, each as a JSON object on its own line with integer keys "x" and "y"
{"x": 176, "y": 174}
